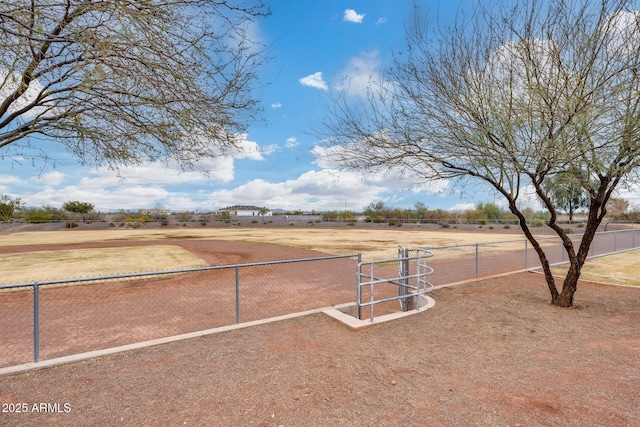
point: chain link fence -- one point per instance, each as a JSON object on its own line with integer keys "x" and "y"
{"x": 52, "y": 319}
{"x": 458, "y": 263}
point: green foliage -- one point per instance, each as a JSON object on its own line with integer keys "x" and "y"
{"x": 46, "y": 213}
{"x": 568, "y": 191}
{"x": 77, "y": 207}
{"x": 9, "y": 207}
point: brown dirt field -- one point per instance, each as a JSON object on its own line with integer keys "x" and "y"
{"x": 494, "y": 352}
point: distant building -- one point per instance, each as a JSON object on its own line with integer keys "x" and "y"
{"x": 153, "y": 213}
{"x": 244, "y": 210}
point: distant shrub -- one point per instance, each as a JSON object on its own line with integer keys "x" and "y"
{"x": 70, "y": 224}
{"x": 445, "y": 225}
{"x": 506, "y": 227}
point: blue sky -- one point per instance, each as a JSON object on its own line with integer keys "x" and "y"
{"x": 315, "y": 46}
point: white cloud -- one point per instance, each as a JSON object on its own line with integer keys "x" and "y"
{"x": 8, "y": 84}
{"x": 276, "y": 105}
{"x": 269, "y": 149}
{"x": 631, "y": 193}
{"x": 381, "y": 20}
{"x": 461, "y": 207}
{"x": 292, "y": 142}
{"x": 624, "y": 33}
{"x": 247, "y": 149}
{"x": 54, "y": 178}
{"x": 314, "y": 80}
{"x": 313, "y": 190}
{"x": 360, "y": 72}
{"x": 351, "y": 15}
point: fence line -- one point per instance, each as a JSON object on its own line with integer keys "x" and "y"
{"x": 78, "y": 315}
{"x": 50, "y": 319}
{"x": 462, "y": 262}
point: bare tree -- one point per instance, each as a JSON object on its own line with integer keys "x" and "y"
{"x": 511, "y": 95}
{"x": 617, "y": 209}
{"x": 120, "y": 82}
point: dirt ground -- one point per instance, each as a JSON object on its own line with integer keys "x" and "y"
{"x": 489, "y": 353}
{"x": 493, "y": 352}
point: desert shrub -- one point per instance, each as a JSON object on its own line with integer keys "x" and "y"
{"x": 507, "y": 226}
{"x": 445, "y": 225}
{"x": 70, "y": 224}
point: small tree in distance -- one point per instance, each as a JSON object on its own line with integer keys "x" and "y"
{"x": 9, "y": 207}
{"x": 80, "y": 208}
{"x": 514, "y": 95}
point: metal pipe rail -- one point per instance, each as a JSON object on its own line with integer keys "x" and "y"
{"x": 402, "y": 280}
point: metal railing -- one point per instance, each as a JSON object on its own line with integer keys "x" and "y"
{"x": 55, "y": 318}
{"x": 410, "y": 285}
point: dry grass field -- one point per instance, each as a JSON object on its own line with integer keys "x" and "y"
{"x": 374, "y": 244}
{"x": 72, "y": 263}
{"x": 619, "y": 269}
{"x": 76, "y": 263}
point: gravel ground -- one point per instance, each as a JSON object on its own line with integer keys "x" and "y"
{"x": 494, "y": 352}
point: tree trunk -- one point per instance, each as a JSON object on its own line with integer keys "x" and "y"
{"x": 569, "y": 287}
{"x": 544, "y": 262}
{"x": 570, "y": 284}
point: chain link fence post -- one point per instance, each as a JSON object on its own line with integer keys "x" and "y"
{"x": 477, "y": 261}
{"x": 237, "y": 294}
{"x": 36, "y": 322}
